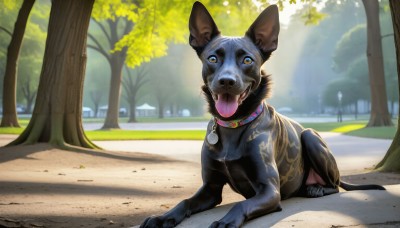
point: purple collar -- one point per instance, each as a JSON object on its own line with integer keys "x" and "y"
{"x": 241, "y": 122}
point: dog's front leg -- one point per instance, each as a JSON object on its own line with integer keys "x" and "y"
{"x": 264, "y": 202}
{"x": 208, "y": 196}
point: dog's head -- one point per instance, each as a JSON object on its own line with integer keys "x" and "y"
{"x": 233, "y": 82}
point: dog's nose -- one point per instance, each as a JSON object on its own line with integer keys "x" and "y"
{"x": 227, "y": 82}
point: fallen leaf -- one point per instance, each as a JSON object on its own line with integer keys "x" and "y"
{"x": 164, "y": 206}
{"x": 176, "y": 186}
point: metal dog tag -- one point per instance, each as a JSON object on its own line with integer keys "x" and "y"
{"x": 212, "y": 138}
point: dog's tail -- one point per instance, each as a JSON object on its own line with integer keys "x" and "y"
{"x": 351, "y": 187}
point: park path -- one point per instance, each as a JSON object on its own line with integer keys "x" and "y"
{"x": 352, "y": 153}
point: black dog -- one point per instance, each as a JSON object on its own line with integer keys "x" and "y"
{"x": 261, "y": 154}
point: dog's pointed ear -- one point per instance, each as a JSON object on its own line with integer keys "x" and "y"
{"x": 202, "y": 27}
{"x": 264, "y": 31}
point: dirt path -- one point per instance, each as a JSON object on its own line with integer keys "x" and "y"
{"x": 45, "y": 187}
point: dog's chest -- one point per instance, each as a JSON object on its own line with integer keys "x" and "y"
{"x": 246, "y": 156}
{"x": 238, "y": 171}
{"x": 236, "y": 162}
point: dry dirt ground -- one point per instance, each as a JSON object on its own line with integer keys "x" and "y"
{"x": 45, "y": 187}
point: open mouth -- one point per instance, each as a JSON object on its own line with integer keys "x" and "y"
{"x": 227, "y": 104}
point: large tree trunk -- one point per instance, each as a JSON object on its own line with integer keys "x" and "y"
{"x": 379, "y": 108}
{"x": 57, "y": 117}
{"x": 10, "y": 78}
{"x": 391, "y": 161}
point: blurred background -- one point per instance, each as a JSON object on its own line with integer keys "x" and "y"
{"x": 320, "y": 63}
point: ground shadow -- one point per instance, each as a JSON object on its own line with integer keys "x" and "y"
{"x": 45, "y": 188}
{"x": 96, "y": 221}
{"x": 10, "y": 153}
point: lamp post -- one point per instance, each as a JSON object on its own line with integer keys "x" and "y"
{"x": 339, "y": 96}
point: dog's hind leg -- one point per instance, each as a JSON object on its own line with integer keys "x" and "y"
{"x": 322, "y": 174}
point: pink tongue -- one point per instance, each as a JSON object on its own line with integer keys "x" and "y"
{"x": 227, "y": 105}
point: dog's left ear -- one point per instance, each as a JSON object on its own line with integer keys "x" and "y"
{"x": 264, "y": 31}
{"x": 202, "y": 27}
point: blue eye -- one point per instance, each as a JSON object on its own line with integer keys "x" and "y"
{"x": 247, "y": 60}
{"x": 212, "y": 59}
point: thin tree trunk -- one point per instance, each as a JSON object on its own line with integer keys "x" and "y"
{"x": 96, "y": 98}
{"x": 117, "y": 62}
{"x": 57, "y": 116}
{"x": 161, "y": 104}
{"x": 379, "y": 108}
{"x": 10, "y": 78}
{"x": 132, "y": 110}
{"x": 391, "y": 161}
{"x": 161, "y": 111}
{"x": 29, "y": 96}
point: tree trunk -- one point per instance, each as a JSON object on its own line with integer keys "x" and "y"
{"x": 132, "y": 110}
{"x": 379, "y": 108}
{"x": 161, "y": 109}
{"x": 117, "y": 60}
{"x": 391, "y": 161}
{"x": 28, "y": 95}
{"x": 96, "y": 98}
{"x": 10, "y": 78}
{"x": 57, "y": 116}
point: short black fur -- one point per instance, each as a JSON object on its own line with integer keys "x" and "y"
{"x": 267, "y": 160}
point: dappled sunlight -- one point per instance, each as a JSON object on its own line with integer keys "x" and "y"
{"x": 348, "y": 128}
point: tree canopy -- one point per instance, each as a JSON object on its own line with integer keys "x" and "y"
{"x": 156, "y": 24}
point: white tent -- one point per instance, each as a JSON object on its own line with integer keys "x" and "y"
{"x": 145, "y": 106}
{"x": 145, "y": 110}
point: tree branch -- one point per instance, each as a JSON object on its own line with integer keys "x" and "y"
{"x": 6, "y": 30}
{"x": 128, "y": 27}
{"x": 100, "y": 50}
{"x": 387, "y": 35}
{"x": 105, "y": 32}
{"x": 31, "y": 98}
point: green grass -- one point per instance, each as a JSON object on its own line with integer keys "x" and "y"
{"x": 353, "y": 128}
{"x": 153, "y": 119}
{"x": 11, "y": 130}
{"x": 335, "y": 126}
{"x": 146, "y": 135}
{"x": 374, "y": 132}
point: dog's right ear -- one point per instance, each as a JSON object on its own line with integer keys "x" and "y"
{"x": 202, "y": 27}
{"x": 264, "y": 31}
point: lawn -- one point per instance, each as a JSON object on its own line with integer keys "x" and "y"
{"x": 100, "y": 135}
{"x": 354, "y": 128}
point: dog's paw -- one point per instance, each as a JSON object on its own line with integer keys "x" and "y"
{"x": 218, "y": 224}
{"x": 156, "y": 222}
